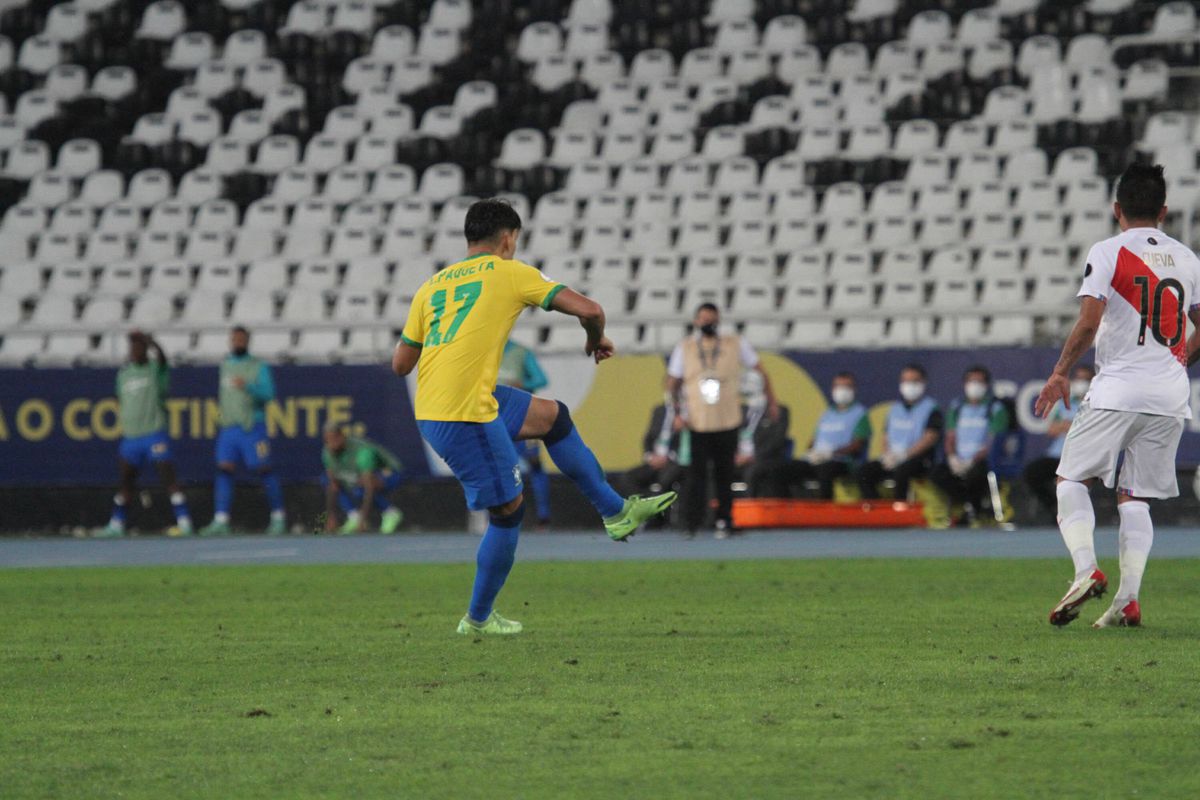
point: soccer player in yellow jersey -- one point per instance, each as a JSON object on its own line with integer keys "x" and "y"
{"x": 456, "y": 330}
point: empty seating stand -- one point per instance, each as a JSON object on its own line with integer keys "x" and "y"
{"x": 839, "y": 174}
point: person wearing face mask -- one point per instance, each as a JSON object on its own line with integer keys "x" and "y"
{"x": 246, "y": 386}
{"x": 840, "y": 442}
{"x": 1040, "y": 473}
{"x": 764, "y": 448}
{"x": 703, "y": 380}
{"x": 971, "y": 426}
{"x": 914, "y": 427}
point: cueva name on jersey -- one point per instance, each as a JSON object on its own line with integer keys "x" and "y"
{"x": 449, "y": 274}
{"x": 1153, "y": 259}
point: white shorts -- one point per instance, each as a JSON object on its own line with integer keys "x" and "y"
{"x": 1097, "y": 438}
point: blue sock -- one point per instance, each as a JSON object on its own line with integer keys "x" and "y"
{"x": 495, "y": 558}
{"x": 118, "y": 514}
{"x": 381, "y": 501}
{"x": 274, "y": 491}
{"x": 346, "y": 501}
{"x": 540, "y": 482}
{"x": 223, "y": 492}
{"x": 577, "y": 462}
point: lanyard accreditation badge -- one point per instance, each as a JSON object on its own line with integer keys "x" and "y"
{"x": 709, "y": 385}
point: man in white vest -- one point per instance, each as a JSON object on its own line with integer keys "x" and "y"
{"x": 703, "y": 380}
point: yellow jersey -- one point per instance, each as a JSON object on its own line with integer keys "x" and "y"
{"x": 461, "y": 318}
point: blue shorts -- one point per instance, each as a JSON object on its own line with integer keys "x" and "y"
{"x": 482, "y": 454}
{"x": 153, "y": 448}
{"x": 250, "y": 448}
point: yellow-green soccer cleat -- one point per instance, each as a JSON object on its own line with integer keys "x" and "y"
{"x": 108, "y": 532}
{"x": 215, "y": 528}
{"x": 277, "y": 527}
{"x": 637, "y": 510}
{"x": 391, "y": 520}
{"x": 494, "y": 625}
{"x": 350, "y": 526}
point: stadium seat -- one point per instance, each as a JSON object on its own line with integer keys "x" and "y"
{"x": 17, "y": 349}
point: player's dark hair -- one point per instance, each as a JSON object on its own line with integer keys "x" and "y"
{"x": 487, "y": 219}
{"x": 707, "y": 307}
{"x": 240, "y": 329}
{"x": 980, "y": 370}
{"x": 1142, "y": 191}
{"x": 917, "y": 368}
{"x": 847, "y": 376}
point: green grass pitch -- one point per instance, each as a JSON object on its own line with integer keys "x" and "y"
{"x": 823, "y": 679}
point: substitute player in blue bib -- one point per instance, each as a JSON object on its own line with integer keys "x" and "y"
{"x": 457, "y": 328}
{"x": 246, "y": 388}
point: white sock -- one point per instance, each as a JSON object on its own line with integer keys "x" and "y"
{"x": 352, "y": 516}
{"x": 277, "y": 515}
{"x": 221, "y": 517}
{"x": 1077, "y": 522}
{"x": 1136, "y": 537}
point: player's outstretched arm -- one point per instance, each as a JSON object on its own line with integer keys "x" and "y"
{"x": 1193, "y": 344}
{"x": 591, "y": 317}
{"x": 1058, "y": 385}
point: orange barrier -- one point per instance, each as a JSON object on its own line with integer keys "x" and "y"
{"x": 777, "y": 513}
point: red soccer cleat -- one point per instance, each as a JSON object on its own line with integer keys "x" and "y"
{"x": 1128, "y": 615}
{"x": 1094, "y": 585}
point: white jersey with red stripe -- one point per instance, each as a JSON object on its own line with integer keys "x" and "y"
{"x": 1149, "y": 282}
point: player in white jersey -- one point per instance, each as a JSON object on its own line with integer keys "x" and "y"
{"x": 1137, "y": 289}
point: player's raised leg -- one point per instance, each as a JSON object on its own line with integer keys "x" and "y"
{"x": 550, "y": 421}
{"x": 1077, "y": 523}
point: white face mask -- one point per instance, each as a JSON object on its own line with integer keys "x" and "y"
{"x": 842, "y": 395}
{"x": 1080, "y": 388}
{"x": 911, "y": 391}
{"x": 975, "y": 390}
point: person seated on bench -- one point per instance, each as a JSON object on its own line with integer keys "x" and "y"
{"x": 914, "y": 427}
{"x": 972, "y": 425}
{"x": 840, "y": 442}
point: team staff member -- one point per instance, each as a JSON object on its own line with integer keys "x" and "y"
{"x": 703, "y": 380}
{"x": 359, "y": 475}
{"x": 246, "y": 386}
{"x": 142, "y": 390}
{"x": 519, "y": 368}
{"x": 764, "y": 448}
{"x": 971, "y": 427}
{"x": 914, "y": 427}
{"x": 840, "y": 443}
